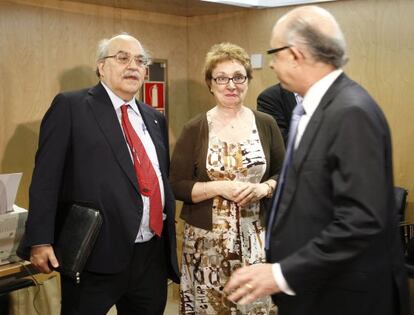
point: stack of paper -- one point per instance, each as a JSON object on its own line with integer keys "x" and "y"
{"x": 9, "y": 183}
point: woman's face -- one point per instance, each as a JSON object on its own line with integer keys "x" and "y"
{"x": 229, "y": 94}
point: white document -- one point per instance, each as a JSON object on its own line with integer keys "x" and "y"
{"x": 9, "y": 183}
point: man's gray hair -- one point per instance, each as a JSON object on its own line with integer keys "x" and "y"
{"x": 102, "y": 49}
{"x": 326, "y": 48}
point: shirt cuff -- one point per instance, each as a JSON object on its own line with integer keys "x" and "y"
{"x": 280, "y": 280}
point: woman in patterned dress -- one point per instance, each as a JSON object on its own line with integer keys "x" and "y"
{"x": 224, "y": 167}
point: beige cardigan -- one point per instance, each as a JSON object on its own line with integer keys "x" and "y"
{"x": 188, "y": 164}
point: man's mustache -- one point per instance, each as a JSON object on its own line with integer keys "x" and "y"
{"x": 131, "y": 75}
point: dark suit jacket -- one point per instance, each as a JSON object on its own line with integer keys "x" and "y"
{"x": 336, "y": 232}
{"x": 279, "y": 103}
{"x": 83, "y": 158}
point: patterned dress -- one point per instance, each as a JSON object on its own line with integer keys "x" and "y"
{"x": 237, "y": 237}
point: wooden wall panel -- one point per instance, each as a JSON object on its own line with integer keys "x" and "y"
{"x": 49, "y": 46}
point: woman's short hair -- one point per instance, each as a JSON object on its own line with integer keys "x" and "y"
{"x": 224, "y": 52}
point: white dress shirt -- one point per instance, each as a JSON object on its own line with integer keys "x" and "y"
{"x": 310, "y": 103}
{"x": 312, "y": 99}
{"x": 144, "y": 233}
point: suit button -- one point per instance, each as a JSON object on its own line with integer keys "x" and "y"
{"x": 145, "y": 190}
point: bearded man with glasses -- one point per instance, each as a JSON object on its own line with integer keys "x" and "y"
{"x": 103, "y": 148}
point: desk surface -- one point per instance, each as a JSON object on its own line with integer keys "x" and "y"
{"x": 14, "y": 268}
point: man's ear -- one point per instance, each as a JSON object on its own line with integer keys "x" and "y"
{"x": 298, "y": 57}
{"x": 100, "y": 66}
{"x": 297, "y": 53}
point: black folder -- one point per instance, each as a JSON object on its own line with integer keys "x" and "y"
{"x": 75, "y": 241}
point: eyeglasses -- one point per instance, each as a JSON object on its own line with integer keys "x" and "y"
{"x": 125, "y": 58}
{"x": 276, "y": 50}
{"x": 237, "y": 79}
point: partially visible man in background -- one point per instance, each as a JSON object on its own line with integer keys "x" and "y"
{"x": 101, "y": 147}
{"x": 278, "y": 103}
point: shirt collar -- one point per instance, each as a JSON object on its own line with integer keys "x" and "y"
{"x": 117, "y": 102}
{"x": 314, "y": 95}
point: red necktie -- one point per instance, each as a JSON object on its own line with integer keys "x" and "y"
{"x": 147, "y": 178}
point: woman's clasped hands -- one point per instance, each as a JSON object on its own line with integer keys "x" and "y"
{"x": 243, "y": 193}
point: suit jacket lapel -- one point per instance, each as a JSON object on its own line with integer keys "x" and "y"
{"x": 315, "y": 122}
{"x": 306, "y": 143}
{"x": 107, "y": 120}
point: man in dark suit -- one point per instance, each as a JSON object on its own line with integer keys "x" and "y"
{"x": 84, "y": 158}
{"x": 278, "y": 103}
{"x": 333, "y": 245}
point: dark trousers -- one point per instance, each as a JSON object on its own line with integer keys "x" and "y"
{"x": 140, "y": 289}
{"x": 339, "y": 301}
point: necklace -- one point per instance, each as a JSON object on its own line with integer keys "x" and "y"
{"x": 235, "y": 124}
{"x": 224, "y": 119}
